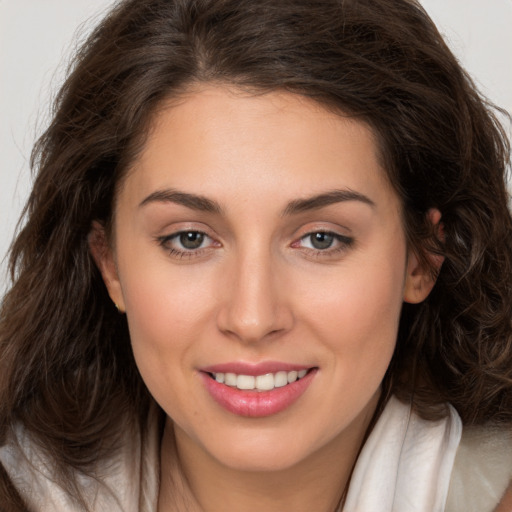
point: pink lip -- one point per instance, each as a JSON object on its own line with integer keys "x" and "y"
{"x": 255, "y": 404}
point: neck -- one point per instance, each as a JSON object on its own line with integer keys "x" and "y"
{"x": 194, "y": 481}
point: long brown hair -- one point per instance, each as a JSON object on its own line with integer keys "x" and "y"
{"x": 67, "y": 373}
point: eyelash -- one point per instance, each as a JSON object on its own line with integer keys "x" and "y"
{"x": 343, "y": 243}
{"x": 166, "y": 240}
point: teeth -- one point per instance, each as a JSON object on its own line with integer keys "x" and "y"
{"x": 265, "y": 382}
{"x": 292, "y": 377}
{"x": 230, "y": 379}
{"x": 245, "y": 382}
{"x": 280, "y": 379}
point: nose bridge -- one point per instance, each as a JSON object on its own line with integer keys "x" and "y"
{"x": 254, "y": 307}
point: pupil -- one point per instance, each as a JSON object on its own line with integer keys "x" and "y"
{"x": 321, "y": 240}
{"x": 191, "y": 240}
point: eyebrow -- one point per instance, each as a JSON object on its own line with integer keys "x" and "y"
{"x": 326, "y": 199}
{"x": 192, "y": 201}
{"x": 201, "y": 203}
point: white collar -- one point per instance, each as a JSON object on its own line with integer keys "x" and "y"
{"x": 405, "y": 464}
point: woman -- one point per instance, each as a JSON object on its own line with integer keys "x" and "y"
{"x": 266, "y": 265}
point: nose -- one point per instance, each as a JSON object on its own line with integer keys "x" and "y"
{"x": 255, "y": 305}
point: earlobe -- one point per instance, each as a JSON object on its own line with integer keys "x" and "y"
{"x": 419, "y": 278}
{"x": 103, "y": 256}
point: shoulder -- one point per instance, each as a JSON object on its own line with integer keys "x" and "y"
{"x": 114, "y": 485}
{"x": 482, "y": 469}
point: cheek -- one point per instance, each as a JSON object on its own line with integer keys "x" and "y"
{"x": 164, "y": 314}
{"x": 357, "y": 313}
{"x": 160, "y": 296}
{"x": 163, "y": 319}
{"x": 359, "y": 300}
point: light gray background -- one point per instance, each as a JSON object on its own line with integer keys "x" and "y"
{"x": 37, "y": 36}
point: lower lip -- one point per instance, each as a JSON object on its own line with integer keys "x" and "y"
{"x": 257, "y": 404}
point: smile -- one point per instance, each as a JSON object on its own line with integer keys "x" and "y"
{"x": 266, "y": 382}
{"x": 266, "y": 392}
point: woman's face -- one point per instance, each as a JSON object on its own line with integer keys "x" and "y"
{"x": 258, "y": 241}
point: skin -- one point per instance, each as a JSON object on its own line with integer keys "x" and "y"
{"x": 257, "y": 289}
{"x": 505, "y": 505}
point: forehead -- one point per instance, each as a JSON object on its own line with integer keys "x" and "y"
{"x": 223, "y": 141}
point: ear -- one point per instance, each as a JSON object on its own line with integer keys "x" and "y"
{"x": 419, "y": 280}
{"x": 103, "y": 255}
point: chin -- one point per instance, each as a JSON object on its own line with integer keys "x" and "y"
{"x": 271, "y": 462}
{"x": 258, "y": 453}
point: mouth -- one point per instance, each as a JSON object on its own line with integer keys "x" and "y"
{"x": 264, "y": 393}
{"x": 259, "y": 383}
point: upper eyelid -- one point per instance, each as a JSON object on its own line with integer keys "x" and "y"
{"x": 326, "y": 230}
{"x": 170, "y": 232}
{"x": 176, "y": 234}
{"x": 343, "y": 242}
{"x": 337, "y": 236}
{"x": 324, "y": 226}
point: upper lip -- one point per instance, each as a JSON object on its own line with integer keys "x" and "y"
{"x": 254, "y": 369}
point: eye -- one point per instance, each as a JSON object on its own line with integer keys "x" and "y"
{"x": 186, "y": 243}
{"x": 319, "y": 240}
{"x": 190, "y": 240}
{"x": 324, "y": 242}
